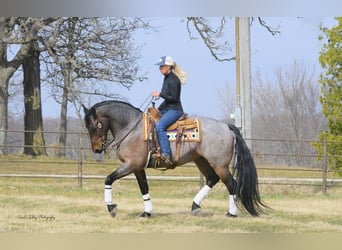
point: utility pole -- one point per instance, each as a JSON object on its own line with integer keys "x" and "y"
{"x": 243, "y": 110}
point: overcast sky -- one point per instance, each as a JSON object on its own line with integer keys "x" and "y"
{"x": 206, "y": 77}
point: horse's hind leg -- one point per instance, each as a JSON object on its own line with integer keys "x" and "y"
{"x": 231, "y": 186}
{"x": 211, "y": 179}
{"x": 227, "y": 178}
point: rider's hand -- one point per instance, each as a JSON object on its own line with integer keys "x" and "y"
{"x": 155, "y": 93}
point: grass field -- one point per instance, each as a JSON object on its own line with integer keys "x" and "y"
{"x": 46, "y": 205}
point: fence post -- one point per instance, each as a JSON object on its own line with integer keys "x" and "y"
{"x": 325, "y": 168}
{"x": 79, "y": 162}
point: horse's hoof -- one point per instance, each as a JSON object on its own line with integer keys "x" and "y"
{"x": 112, "y": 209}
{"x": 231, "y": 215}
{"x": 195, "y": 209}
{"x": 145, "y": 215}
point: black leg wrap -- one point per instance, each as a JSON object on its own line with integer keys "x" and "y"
{"x": 231, "y": 215}
{"x": 112, "y": 209}
{"x": 145, "y": 215}
{"x": 231, "y": 185}
{"x": 195, "y": 209}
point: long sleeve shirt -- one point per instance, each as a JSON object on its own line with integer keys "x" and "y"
{"x": 171, "y": 92}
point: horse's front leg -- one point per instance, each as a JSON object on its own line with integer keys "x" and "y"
{"x": 123, "y": 170}
{"x": 144, "y": 189}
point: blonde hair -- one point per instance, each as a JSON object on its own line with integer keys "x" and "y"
{"x": 180, "y": 73}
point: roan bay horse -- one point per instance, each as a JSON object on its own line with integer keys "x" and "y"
{"x": 212, "y": 156}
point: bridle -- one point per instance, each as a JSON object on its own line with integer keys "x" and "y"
{"x": 102, "y": 132}
{"x": 101, "y": 128}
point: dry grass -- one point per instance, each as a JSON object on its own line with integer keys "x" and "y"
{"x": 59, "y": 206}
{"x": 43, "y": 164}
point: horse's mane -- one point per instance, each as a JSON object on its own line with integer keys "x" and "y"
{"x": 108, "y": 102}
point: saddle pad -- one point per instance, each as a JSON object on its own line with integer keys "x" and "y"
{"x": 191, "y": 133}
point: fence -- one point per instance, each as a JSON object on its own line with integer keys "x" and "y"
{"x": 278, "y": 160}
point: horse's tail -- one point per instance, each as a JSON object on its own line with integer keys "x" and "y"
{"x": 247, "y": 190}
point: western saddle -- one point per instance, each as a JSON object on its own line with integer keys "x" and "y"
{"x": 150, "y": 118}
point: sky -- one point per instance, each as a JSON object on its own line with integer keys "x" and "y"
{"x": 298, "y": 40}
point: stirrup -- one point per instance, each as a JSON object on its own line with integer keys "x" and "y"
{"x": 166, "y": 159}
{"x": 156, "y": 155}
{"x": 156, "y": 161}
{"x": 163, "y": 157}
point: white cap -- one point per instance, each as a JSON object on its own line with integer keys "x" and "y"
{"x": 165, "y": 60}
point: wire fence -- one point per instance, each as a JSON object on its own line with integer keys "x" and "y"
{"x": 279, "y": 161}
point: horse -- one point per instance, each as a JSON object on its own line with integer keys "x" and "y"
{"x": 221, "y": 142}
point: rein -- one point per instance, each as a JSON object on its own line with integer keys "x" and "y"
{"x": 117, "y": 144}
{"x": 105, "y": 144}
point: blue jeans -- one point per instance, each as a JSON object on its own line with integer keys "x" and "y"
{"x": 168, "y": 117}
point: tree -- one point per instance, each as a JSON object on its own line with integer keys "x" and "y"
{"x": 33, "y": 121}
{"x": 227, "y": 101}
{"x": 20, "y": 36}
{"x": 10, "y": 34}
{"x": 210, "y": 37}
{"x": 85, "y": 53}
{"x": 287, "y": 107}
{"x": 211, "y": 32}
{"x": 7, "y": 69}
{"x": 331, "y": 92}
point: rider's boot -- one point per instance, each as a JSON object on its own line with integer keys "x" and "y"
{"x": 167, "y": 159}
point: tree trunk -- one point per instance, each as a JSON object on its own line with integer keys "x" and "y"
{"x": 3, "y": 112}
{"x": 6, "y": 71}
{"x": 33, "y": 121}
{"x": 67, "y": 70}
{"x": 64, "y": 113}
{"x": 3, "y": 97}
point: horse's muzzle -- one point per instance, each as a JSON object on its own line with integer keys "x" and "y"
{"x": 98, "y": 151}
{"x": 98, "y": 145}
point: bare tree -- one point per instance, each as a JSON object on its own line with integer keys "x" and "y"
{"x": 288, "y": 107}
{"x": 86, "y": 52}
{"x": 7, "y": 69}
{"x": 14, "y": 33}
{"x": 211, "y": 32}
{"x": 211, "y": 36}
{"x": 33, "y": 121}
{"x": 227, "y": 102}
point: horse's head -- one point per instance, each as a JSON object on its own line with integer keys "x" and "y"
{"x": 98, "y": 127}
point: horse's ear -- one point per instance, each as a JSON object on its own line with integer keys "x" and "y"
{"x": 86, "y": 111}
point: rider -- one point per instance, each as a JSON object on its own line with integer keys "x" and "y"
{"x": 171, "y": 108}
